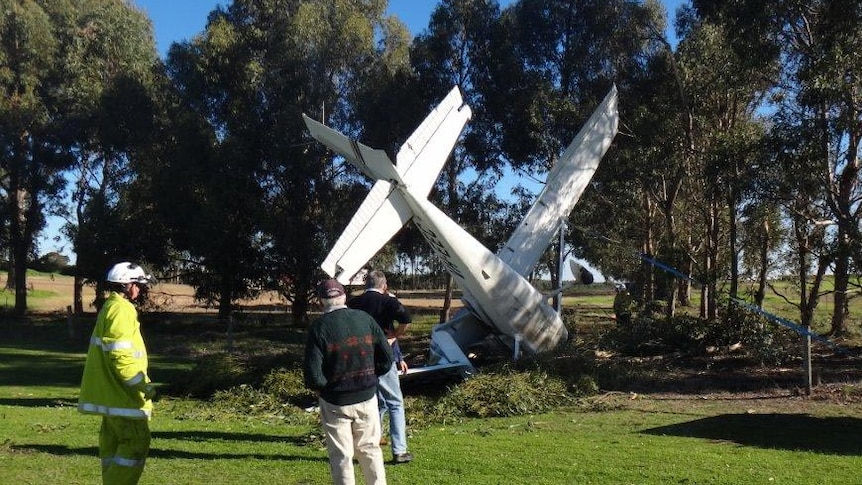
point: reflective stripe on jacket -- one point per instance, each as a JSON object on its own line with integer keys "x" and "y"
{"x": 116, "y": 364}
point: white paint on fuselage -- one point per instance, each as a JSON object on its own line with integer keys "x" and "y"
{"x": 493, "y": 291}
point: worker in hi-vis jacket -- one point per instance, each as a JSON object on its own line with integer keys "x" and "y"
{"x": 115, "y": 384}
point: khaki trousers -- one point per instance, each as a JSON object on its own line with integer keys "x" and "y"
{"x": 353, "y": 431}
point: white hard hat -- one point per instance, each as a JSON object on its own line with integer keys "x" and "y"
{"x": 126, "y": 272}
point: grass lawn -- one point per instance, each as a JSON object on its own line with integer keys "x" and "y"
{"x": 612, "y": 438}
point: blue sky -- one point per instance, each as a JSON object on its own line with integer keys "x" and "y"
{"x": 178, "y": 20}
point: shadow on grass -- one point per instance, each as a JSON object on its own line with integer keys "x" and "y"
{"x": 165, "y": 454}
{"x": 795, "y": 432}
{"x": 204, "y": 436}
{"x": 40, "y": 369}
{"x": 39, "y": 402}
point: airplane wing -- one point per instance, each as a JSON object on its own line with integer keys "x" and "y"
{"x": 565, "y": 183}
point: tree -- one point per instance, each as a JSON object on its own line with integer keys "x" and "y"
{"x": 818, "y": 94}
{"x": 39, "y": 74}
{"x": 458, "y": 49}
{"x": 270, "y": 196}
{"x": 53, "y": 262}
{"x": 213, "y": 197}
{"x": 724, "y": 134}
{"x": 566, "y": 55}
{"x": 825, "y": 52}
{"x": 112, "y": 105}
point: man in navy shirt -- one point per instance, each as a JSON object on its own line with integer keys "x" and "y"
{"x": 386, "y": 310}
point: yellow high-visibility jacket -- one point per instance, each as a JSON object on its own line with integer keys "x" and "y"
{"x": 115, "y": 373}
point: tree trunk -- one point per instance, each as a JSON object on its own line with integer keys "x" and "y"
{"x": 714, "y": 273}
{"x": 78, "y": 295}
{"x": 733, "y": 289}
{"x": 225, "y": 299}
{"x": 20, "y": 245}
{"x": 10, "y": 273}
{"x": 683, "y": 286}
{"x": 299, "y": 308}
{"x": 842, "y": 279}
{"x": 20, "y": 250}
{"x": 447, "y": 300}
{"x": 764, "y": 265}
{"x": 647, "y": 289}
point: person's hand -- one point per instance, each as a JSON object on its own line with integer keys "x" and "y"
{"x": 149, "y": 391}
{"x": 391, "y": 341}
{"x": 402, "y": 366}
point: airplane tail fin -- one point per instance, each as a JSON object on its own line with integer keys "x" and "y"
{"x": 384, "y": 211}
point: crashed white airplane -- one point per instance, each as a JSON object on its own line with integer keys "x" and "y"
{"x": 498, "y": 299}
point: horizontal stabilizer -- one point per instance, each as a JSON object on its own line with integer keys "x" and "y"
{"x": 384, "y": 211}
{"x": 381, "y": 215}
{"x": 565, "y": 183}
{"x": 423, "y": 155}
{"x": 371, "y": 162}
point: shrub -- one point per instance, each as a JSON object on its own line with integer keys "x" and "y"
{"x": 766, "y": 342}
{"x": 507, "y": 393}
{"x": 215, "y": 372}
{"x": 639, "y": 337}
{"x": 645, "y": 335}
{"x": 287, "y": 385}
{"x": 575, "y": 366}
{"x": 282, "y": 396}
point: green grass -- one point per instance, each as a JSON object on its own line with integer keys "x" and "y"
{"x": 610, "y": 439}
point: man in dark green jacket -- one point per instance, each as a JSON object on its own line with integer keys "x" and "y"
{"x": 345, "y": 353}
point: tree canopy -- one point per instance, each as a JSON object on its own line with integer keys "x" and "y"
{"x": 200, "y": 165}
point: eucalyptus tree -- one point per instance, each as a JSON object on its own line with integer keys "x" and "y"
{"x": 723, "y": 86}
{"x": 458, "y": 48}
{"x": 258, "y": 66}
{"x": 680, "y": 156}
{"x": 817, "y": 100}
{"x": 345, "y": 44}
{"x": 53, "y": 54}
{"x": 761, "y": 239}
{"x": 213, "y": 176}
{"x": 30, "y": 51}
{"x": 823, "y": 46}
{"x": 632, "y": 216}
{"x": 113, "y": 87}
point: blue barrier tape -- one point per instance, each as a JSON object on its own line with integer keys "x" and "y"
{"x": 787, "y": 323}
{"x": 769, "y": 316}
{"x": 667, "y": 268}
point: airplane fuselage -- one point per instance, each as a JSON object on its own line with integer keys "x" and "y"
{"x": 494, "y": 292}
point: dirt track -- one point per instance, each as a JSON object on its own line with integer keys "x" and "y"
{"x": 180, "y": 298}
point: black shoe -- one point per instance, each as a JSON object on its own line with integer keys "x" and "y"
{"x": 402, "y": 458}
